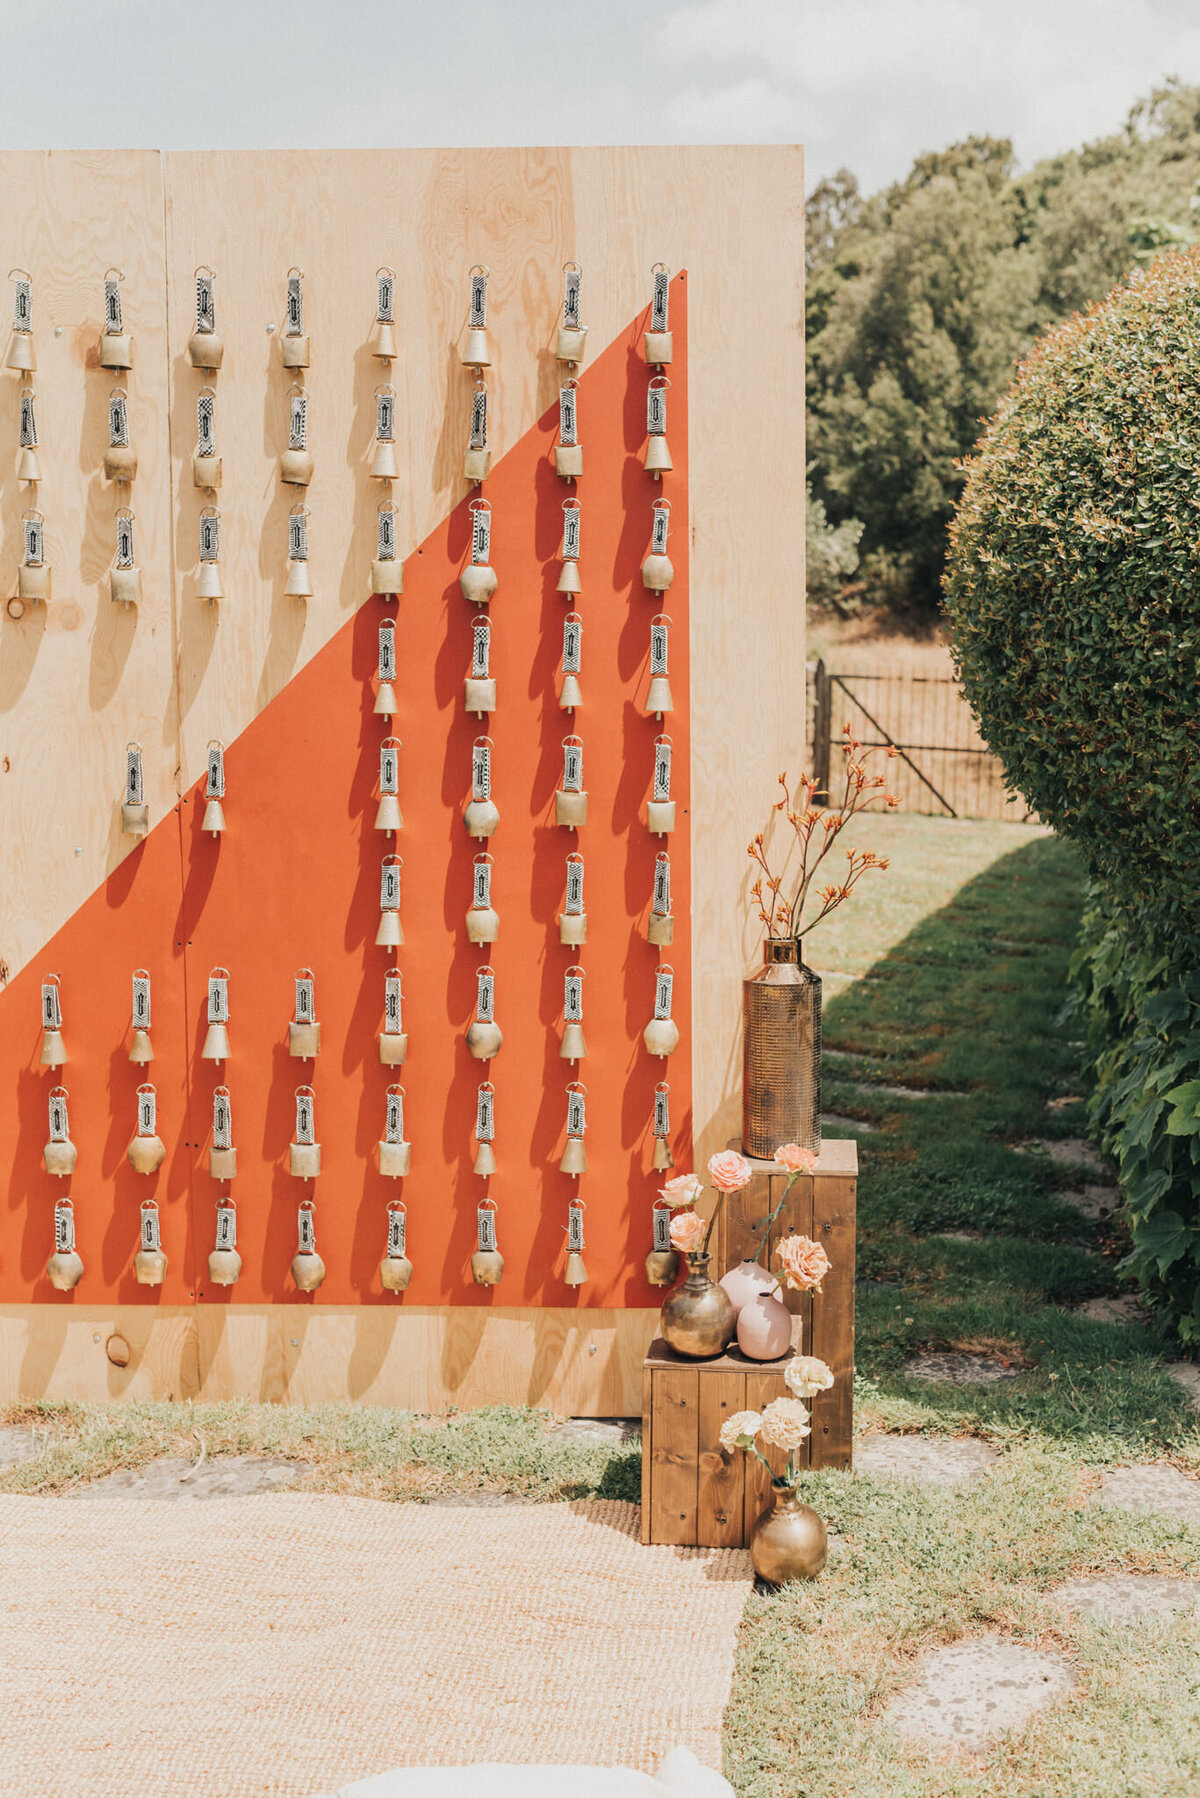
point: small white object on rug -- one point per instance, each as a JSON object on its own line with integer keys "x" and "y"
{"x": 679, "y": 1775}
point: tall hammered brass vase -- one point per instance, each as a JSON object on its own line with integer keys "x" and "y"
{"x": 697, "y": 1317}
{"x": 781, "y": 1053}
{"x": 789, "y": 1541}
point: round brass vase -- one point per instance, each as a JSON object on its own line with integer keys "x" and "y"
{"x": 697, "y": 1317}
{"x": 781, "y": 1053}
{"x": 788, "y": 1542}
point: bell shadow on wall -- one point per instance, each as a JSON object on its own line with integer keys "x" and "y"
{"x": 32, "y": 1191}
{"x": 451, "y": 447}
{"x": 114, "y": 626}
{"x": 199, "y": 619}
{"x": 286, "y": 1191}
{"x": 369, "y": 494}
{"x": 285, "y": 634}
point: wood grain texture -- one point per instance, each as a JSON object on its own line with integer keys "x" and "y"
{"x": 674, "y": 1450}
{"x": 832, "y": 1336}
{"x": 721, "y": 1475}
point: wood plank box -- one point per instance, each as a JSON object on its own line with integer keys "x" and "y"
{"x": 693, "y": 1494}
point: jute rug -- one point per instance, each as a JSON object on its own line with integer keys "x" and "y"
{"x": 290, "y": 1643}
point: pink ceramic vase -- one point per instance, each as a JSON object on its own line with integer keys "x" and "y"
{"x": 764, "y": 1328}
{"x": 745, "y": 1282}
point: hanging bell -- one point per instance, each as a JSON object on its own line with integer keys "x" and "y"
{"x": 574, "y": 1157}
{"x": 125, "y": 585}
{"x": 477, "y": 582}
{"x": 299, "y": 582}
{"x": 477, "y": 464}
{"x": 135, "y": 819}
{"x": 475, "y": 354}
{"x": 662, "y": 1267}
{"x": 384, "y": 344}
{"x": 661, "y": 1036}
{"x": 659, "y": 347}
{"x": 658, "y": 457}
{"x": 149, "y": 1267}
{"x": 33, "y": 581}
{"x": 304, "y": 1040}
{"x": 21, "y": 352}
{"x": 296, "y": 351}
{"x": 483, "y": 924}
{"x": 208, "y": 583}
{"x": 481, "y": 817}
{"x": 308, "y": 1270}
{"x": 660, "y": 816}
{"x": 146, "y": 1154}
{"x": 570, "y": 809}
{"x": 120, "y": 462}
{"x": 304, "y": 1160}
{"x": 572, "y": 928}
{"x": 59, "y": 1159}
{"x": 64, "y": 1269}
{"x": 28, "y": 468}
{"x": 216, "y": 1044}
{"x": 485, "y": 1160}
{"x": 568, "y": 578}
{"x": 574, "y": 1045}
{"x": 395, "y": 1271}
{"x": 484, "y": 1039}
{"x": 54, "y": 1052}
{"x": 214, "y": 818}
{"x": 568, "y": 345}
{"x": 296, "y": 467}
{"x": 658, "y": 699}
{"x": 662, "y": 1157}
{"x": 575, "y": 1273}
{"x": 222, "y": 1163}
{"x": 388, "y": 815}
{"x": 385, "y": 700}
{"x": 393, "y": 1048}
{"x": 383, "y": 464}
{"x": 487, "y": 1267}
{"x": 395, "y": 1159}
{"x": 206, "y": 471}
{"x": 571, "y": 696}
{"x": 224, "y": 1266}
{"x": 116, "y": 350}
{"x": 479, "y": 696}
{"x": 387, "y": 578}
{"x": 205, "y": 349}
{"x": 390, "y": 934}
{"x": 568, "y": 460}
{"x": 657, "y": 572}
{"x": 141, "y": 1050}
{"x": 660, "y": 929}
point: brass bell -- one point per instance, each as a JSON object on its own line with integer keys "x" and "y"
{"x": 572, "y": 928}
{"x": 216, "y": 1044}
{"x": 28, "y": 468}
{"x": 65, "y": 1270}
{"x": 660, "y": 816}
{"x": 658, "y": 457}
{"x": 125, "y": 585}
{"x": 568, "y": 460}
{"x": 308, "y": 1270}
{"x": 383, "y": 464}
{"x": 395, "y": 1271}
{"x": 390, "y": 934}
{"x": 388, "y": 816}
{"x": 54, "y": 1053}
{"x": 658, "y": 698}
{"x": 485, "y": 1160}
{"x": 206, "y": 471}
{"x": 304, "y": 1160}
{"x": 575, "y": 1273}
{"x": 120, "y": 462}
{"x": 657, "y": 572}
{"x": 299, "y": 581}
{"x": 304, "y": 1040}
{"x": 395, "y": 1159}
{"x": 570, "y": 809}
{"x": 384, "y": 345}
{"x": 569, "y": 343}
{"x": 477, "y": 464}
{"x": 479, "y": 696}
{"x": 135, "y": 819}
{"x": 146, "y": 1154}
{"x": 59, "y": 1159}
{"x": 661, "y": 1036}
{"x": 295, "y": 350}
{"x": 483, "y": 924}
{"x": 571, "y": 696}
{"x": 660, "y": 929}
{"x": 116, "y": 350}
{"x": 21, "y": 352}
{"x": 487, "y": 1267}
{"x": 385, "y": 700}
{"x": 659, "y": 347}
{"x": 484, "y": 1039}
{"x": 662, "y": 1157}
{"x": 141, "y": 1050}
{"x": 149, "y": 1267}
{"x": 387, "y": 578}
{"x": 224, "y": 1266}
{"x": 205, "y": 349}
{"x": 296, "y": 467}
{"x": 33, "y": 581}
{"x": 214, "y": 818}
{"x": 662, "y": 1267}
{"x": 222, "y": 1163}
{"x": 393, "y": 1048}
{"x": 475, "y": 354}
{"x": 208, "y": 582}
{"x": 478, "y": 582}
{"x": 574, "y": 1157}
{"x": 568, "y": 578}
{"x": 574, "y": 1046}
{"x": 481, "y": 817}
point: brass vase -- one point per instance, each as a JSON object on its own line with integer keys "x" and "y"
{"x": 788, "y": 1542}
{"x": 697, "y": 1317}
{"x": 781, "y": 1053}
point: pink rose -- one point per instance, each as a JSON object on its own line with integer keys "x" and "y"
{"x": 684, "y": 1189}
{"x": 687, "y": 1232}
{"x": 804, "y": 1262}
{"x": 729, "y": 1171}
{"x": 795, "y": 1160}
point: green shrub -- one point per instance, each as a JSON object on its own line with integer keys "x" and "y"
{"x": 1074, "y": 591}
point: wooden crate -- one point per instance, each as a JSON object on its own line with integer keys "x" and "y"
{"x": 692, "y": 1493}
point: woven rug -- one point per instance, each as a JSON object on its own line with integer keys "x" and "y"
{"x": 291, "y": 1643}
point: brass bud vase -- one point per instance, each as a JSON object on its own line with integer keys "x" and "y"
{"x": 697, "y": 1317}
{"x": 781, "y": 1053}
{"x": 788, "y": 1542}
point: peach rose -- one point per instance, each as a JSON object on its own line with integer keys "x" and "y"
{"x": 739, "y": 1430}
{"x": 687, "y": 1232}
{"x": 684, "y": 1189}
{"x": 795, "y": 1160}
{"x": 806, "y": 1376}
{"x": 785, "y": 1423}
{"x": 729, "y": 1171}
{"x": 804, "y": 1262}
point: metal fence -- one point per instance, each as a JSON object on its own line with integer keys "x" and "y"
{"x": 942, "y": 765}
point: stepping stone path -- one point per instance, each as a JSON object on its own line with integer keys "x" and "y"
{"x": 1155, "y": 1487}
{"x": 929, "y": 1460}
{"x": 1188, "y": 1375}
{"x": 1070, "y": 1151}
{"x": 1092, "y": 1201}
{"x": 17, "y": 1444}
{"x": 913, "y": 1092}
{"x": 605, "y": 1432}
{"x": 1125, "y": 1308}
{"x": 1129, "y": 1597}
{"x": 972, "y": 1691}
{"x": 958, "y": 1369}
{"x": 227, "y": 1476}
{"x": 833, "y": 1120}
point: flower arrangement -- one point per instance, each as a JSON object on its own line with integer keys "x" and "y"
{"x": 785, "y": 1422}
{"x": 690, "y": 1234}
{"x": 816, "y": 826}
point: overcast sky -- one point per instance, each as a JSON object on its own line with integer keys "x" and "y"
{"x": 862, "y": 83}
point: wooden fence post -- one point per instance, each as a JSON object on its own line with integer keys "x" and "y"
{"x": 821, "y": 726}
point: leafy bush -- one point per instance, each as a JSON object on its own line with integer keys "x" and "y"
{"x": 1074, "y": 589}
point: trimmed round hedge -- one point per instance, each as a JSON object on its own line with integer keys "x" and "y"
{"x": 1073, "y": 586}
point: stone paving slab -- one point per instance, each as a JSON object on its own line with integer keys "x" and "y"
{"x": 1129, "y": 1597}
{"x": 929, "y": 1460}
{"x": 1124, "y": 1308}
{"x": 606, "y": 1432}
{"x": 1188, "y": 1375}
{"x": 1153, "y": 1487}
{"x": 1092, "y": 1201}
{"x": 957, "y": 1369}
{"x": 833, "y": 1120}
{"x": 172, "y": 1478}
{"x": 974, "y": 1690}
{"x": 17, "y": 1444}
{"x": 1070, "y": 1151}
